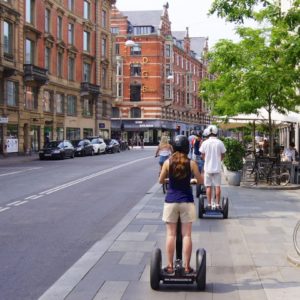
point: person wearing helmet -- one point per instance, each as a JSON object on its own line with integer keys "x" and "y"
{"x": 179, "y": 201}
{"x": 213, "y": 151}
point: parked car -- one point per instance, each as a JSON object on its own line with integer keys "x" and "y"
{"x": 98, "y": 144}
{"x": 57, "y": 149}
{"x": 83, "y": 147}
{"x": 112, "y": 146}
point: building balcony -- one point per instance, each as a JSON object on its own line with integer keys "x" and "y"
{"x": 36, "y": 75}
{"x": 87, "y": 88}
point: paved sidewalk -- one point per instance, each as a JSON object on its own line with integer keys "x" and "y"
{"x": 246, "y": 254}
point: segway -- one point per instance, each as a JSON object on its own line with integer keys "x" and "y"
{"x": 213, "y": 211}
{"x": 157, "y": 274}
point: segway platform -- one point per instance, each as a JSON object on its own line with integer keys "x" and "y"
{"x": 205, "y": 211}
{"x": 157, "y": 274}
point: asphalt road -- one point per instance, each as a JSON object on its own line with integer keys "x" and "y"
{"x": 52, "y": 212}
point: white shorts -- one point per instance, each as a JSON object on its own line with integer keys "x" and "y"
{"x": 212, "y": 179}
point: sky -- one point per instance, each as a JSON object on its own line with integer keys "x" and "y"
{"x": 187, "y": 13}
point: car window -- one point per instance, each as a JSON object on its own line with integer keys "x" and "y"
{"x": 53, "y": 144}
{"x": 60, "y": 145}
{"x": 81, "y": 143}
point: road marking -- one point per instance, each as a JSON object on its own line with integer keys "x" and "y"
{"x": 20, "y": 171}
{"x": 13, "y": 203}
{"x": 68, "y": 184}
{"x": 21, "y": 202}
{"x": 4, "y": 209}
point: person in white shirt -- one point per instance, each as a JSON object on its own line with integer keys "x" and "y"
{"x": 213, "y": 151}
{"x": 289, "y": 154}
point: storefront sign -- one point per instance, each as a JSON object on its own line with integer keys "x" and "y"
{"x": 101, "y": 125}
{"x": 3, "y": 120}
{"x": 12, "y": 145}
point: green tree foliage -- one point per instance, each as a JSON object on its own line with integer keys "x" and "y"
{"x": 235, "y": 151}
{"x": 262, "y": 70}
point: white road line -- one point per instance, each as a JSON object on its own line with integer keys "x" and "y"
{"x": 35, "y": 197}
{"x": 4, "y": 209}
{"x": 22, "y": 202}
{"x": 31, "y": 197}
{"x": 13, "y": 203}
{"x": 20, "y": 171}
{"x": 11, "y": 173}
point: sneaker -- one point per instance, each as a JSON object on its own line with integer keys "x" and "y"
{"x": 208, "y": 206}
{"x": 217, "y": 206}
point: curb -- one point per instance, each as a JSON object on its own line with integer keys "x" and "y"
{"x": 262, "y": 187}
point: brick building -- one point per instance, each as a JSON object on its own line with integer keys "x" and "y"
{"x": 157, "y": 77}
{"x": 55, "y": 71}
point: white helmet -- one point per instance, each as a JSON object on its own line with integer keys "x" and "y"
{"x": 205, "y": 132}
{"x": 212, "y": 129}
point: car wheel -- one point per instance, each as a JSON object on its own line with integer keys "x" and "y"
{"x": 92, "y": 153}
{"x": 72, "y": 155}
{"x": 98, "y": 151}
{"x": 62, "y": 156}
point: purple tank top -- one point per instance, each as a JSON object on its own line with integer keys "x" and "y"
{"x": 179, "y": 190}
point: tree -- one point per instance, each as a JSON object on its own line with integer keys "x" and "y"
{"x": 262, "y": 70}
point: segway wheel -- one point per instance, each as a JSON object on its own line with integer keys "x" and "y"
{"x": 225, "y": 205}
{"x": 201, "y": 269}
{"x": 198, "y": 190}
{"x": 155, "y": 268}
{"x": 201, "y": 206}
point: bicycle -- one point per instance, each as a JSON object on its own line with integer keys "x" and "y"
{"x": 267, "y": 169}
{"x": 296, "y": 238}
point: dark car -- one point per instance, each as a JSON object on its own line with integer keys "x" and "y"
{"x": 57, "y": 149}
{"x": 112, "y": 146}
{"x": 83, "y": 148}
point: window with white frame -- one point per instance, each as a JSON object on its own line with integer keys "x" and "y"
{"x": 60, "y": 63}
{"x": 135, "y": 112}
{"x": 59, "y": 27}
{"x": 104, "y": 19}
{"x": 86, "y": 41}
{"x": 47, "y": 58}
{"x": 86, "y": 72}
{"x": 47, "y": 20}
{"x": 11, "y": 89}
{"x": 119, "y": 89}
{"x": 30, "y": 11}
{"x": 104, "y": 47}
{"x": 86, "y": 9}
{"x": 87, "y": 107}
{"x": 136, "y": 50}
{"x": 31, "y": 98}
{"x": 104, "y": 77}
{"x": 59, "y": 103}
{"x": 47, "y": 101}
{"x": 8, "y": 38}
{"x": 71, "y": 5}
{"x": 29, "y": 51}
{"x": 71, "y": 33}
{"x": 168, "y": 50}
{"x": 71, "y": 105}
{"x": 71, "y": 68}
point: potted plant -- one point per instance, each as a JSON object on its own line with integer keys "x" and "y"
{"x": 233, "y": 160}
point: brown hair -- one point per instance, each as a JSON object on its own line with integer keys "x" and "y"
{"x": 178, "y": 164}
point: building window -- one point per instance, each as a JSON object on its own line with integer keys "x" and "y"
{"x": 115, "y": 112}
{"x": 59, "y": 27}
{"x": 47, "y": 20}
{"x": 71, "y": 105}
{"x": 114, "y": 30}
{"x": 104, "y": 77}
{"x": 136, "y": 50}
{"x": 117, "y": 49}
{"x": 8, "y": 38}
{"x": 11, "y": 89}
{"x": 168, "y": 94}
{"x": 168, "y": 70}
{"x": 71, "y": 5}
{"x": 59, "y": 103}
{"x": 104, "y": 108}
{"x": 135, "y": 92}
{"x": 71, "y": 33}
{"x": 104, "y": 19}
{"x": 31, "y": 98}
{"x": 141, "y": 30}
{"x": 71, "y": 68}
{"x": 29, "y": 51}
{"x": 87, "y": 107}
{"x": 30, "y": 5}
{"x": 168, "y": 50}
{"x": 120, "y": 89}
{"x": 86, "y": 9}
{"x": 86, "y": 41}
{"x": 119, "y": 68}
{"x": 86, "y": 72}
{"x": 135, "y": 112}
{"x": 103, "y": 47}
{"x": 135, "y": 70}
{"x": 60, "y": 59}
{"x": 47, "y": 58}
{"x": 47, "y": 101}
{"x": 73, "y": 134}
